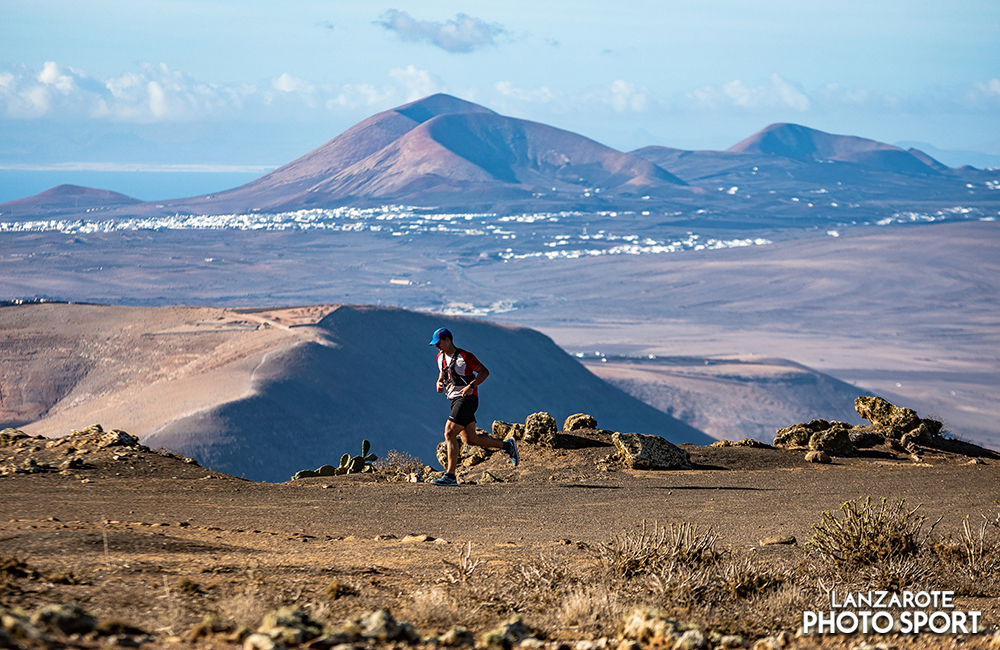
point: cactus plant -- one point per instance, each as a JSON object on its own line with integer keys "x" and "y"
{"x": 357, "y": 464}
{"x": 348, "y": 464}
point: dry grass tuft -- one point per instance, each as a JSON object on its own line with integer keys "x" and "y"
{"x": 648, "y": 551}
{"x": 432, "y": 608}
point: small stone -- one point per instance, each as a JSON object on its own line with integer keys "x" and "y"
{"x": 117, "y": 437}
{"x": 732, "y": 641}
{"x": 68, "y": 619}
{"x": 261, "y": 642}
{"x": 771, "y": 541}
{"x": 508, "y": 634}
{"x": 381, "y": 626}
{"x": 290, "y": 626}
{"x": 692, "y": 640}
{"x": 457, "y": 636}
{"x": 818, "y": 457}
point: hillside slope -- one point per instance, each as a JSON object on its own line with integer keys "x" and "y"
{"x": 264, "y": 393}
{"x": 65, "y": 198}
{"x": 375, "y": 380}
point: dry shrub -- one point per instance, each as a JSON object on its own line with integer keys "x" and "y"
{"x": 245, "y": 607}
{"x": 747, "y": 577}
{"x": 462, "y": 570}
{"x": 899, "y": 573}
{"x": 972, "y": 563}
{"x": 397, "y": 466}
{"x": 433, "y": 608}
{"x": 337, "y": 589}
{"x": 649, "y": 551}
{"x": 869, "y": 533}
{"x": 590, "y": 608}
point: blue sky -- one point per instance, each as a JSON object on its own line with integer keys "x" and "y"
{"x": 243, "y": 86}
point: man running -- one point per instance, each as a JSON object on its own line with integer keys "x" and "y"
{"x": 459, "y": 375}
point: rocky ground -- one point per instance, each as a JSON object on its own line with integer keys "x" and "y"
{"x": 105, "y": 542}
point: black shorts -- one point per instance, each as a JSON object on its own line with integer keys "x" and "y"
{"x": 463, "y": 410}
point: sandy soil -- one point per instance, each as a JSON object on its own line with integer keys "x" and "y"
{"x": 122, "y": 534}
{"x": 136, "y": 367}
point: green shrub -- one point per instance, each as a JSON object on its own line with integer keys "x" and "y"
{"x": 869, "y": 533}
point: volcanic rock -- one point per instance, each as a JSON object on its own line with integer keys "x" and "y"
{"x": 68, "y": 619}
{"x": 798, "y": 435}
{"x": 644, "y": 451}
{"x": 835, "y": 441}
{"x": 540, "y": 429}
{"x": 881, "y": 413}
{"x": 504, "y": 430}
{"x": 579, "y": 421}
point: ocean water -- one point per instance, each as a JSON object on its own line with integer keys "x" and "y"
{"x": 146, "y": 186}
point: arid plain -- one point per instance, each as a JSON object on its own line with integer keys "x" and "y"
{"x": 907, "y": 312}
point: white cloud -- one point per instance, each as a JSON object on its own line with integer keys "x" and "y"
{"x": 625, "y": 97}
{"x": 138, "y": 167}
{"x": 989, "y": 89}
{"x": 462, "y": 34}
{"x": 777, "y": 94}
{"x": 360, "y": 95}
{"x": 51, "y": 75}
{"x": 157, "y": 93}
{"x": 540, "y": 95}
{"x": 289, "y": 84}
{"x": 157, "y": 99}
{"x": 833, "y": 93}
{"x": 417, "y": 83}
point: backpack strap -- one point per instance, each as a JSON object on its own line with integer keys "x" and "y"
{"x": 456, "y": 379}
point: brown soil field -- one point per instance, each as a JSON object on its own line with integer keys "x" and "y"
{"x": 149, "y": 545}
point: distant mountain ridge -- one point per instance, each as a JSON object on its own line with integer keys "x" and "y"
{"x": 802, "y": 143}
{"x": 63, "y": 196}
{"x": 440, "y": 146}
{"x": 446, "y": 153}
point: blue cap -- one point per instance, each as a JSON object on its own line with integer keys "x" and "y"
{"x": 441, "y": 333}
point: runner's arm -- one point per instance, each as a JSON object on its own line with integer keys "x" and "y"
{"x": 481, "y": 376}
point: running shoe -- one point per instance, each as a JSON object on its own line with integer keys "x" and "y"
{"x": 511, "y": 449}
{"x": 445, "y": 479}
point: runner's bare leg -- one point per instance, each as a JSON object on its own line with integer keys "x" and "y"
{"x": 470, "y": 437}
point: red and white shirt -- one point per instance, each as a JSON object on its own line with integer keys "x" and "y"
{"x": 465, "y": 366}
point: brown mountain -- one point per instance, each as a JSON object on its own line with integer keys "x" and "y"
{"x": 443, "y": 150}
{"x": 811, "y": 145}
{"x": 65, "y": 198}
